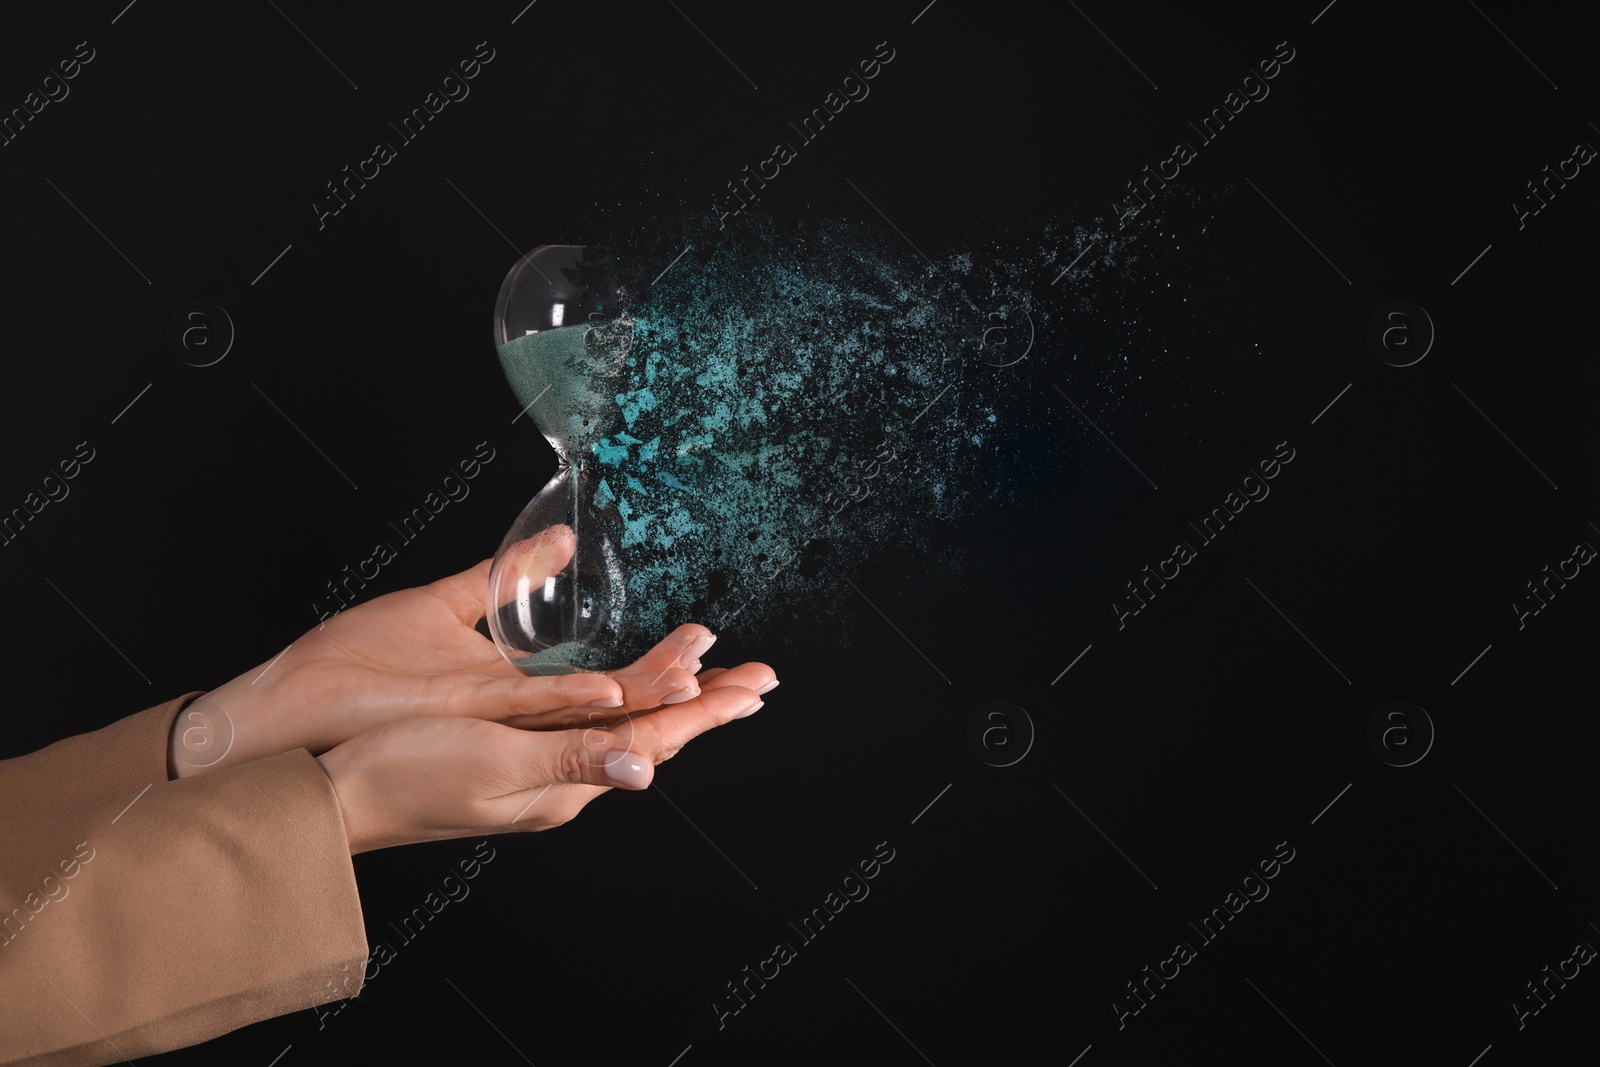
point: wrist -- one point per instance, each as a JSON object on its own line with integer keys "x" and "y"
{"x": 203, "y": 737}
{"x": 342, "y": 776}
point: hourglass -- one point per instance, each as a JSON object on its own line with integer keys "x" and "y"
{"x": 557, "y": 596}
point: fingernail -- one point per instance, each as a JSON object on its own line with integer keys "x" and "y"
{"x": 688, "y": 693}
{"x": 751, "y": 710}
{"x": 769, "y": 687}
{"x": 698, "y": 647}
{"x": 609, "y": 702}
{"x": 627, "y": 768}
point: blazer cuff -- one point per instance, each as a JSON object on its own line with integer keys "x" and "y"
{"x": 116, "y": 760}
{"x": 206, "y": 904}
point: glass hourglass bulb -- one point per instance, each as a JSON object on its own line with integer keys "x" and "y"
{"x": 557, "y": 593}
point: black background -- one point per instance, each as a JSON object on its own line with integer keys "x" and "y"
{"x": 1196, "y": 739}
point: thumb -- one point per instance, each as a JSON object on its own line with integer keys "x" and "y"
{"x": 463, "y": 592}
{"x": 578, "y": 765}
{"x": 592, "y": 756}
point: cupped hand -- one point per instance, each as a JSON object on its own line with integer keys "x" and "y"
{"x": 417, "y": 652}
{"x": 431, "y": 778}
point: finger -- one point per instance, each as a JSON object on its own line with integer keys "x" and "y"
{"x": 744, "y": 700}
{"x": 672, "y": 686}
{"x": 757, "y": 677}
{"x": 463, "y": 593}
{"x": 623, "y": 760}
{"x": 663, "y": 732}
{"x": 584, "y": 688}
{"x": 571, "y": 717}
{"x": 503, "y": 699}
{"x": 682, "y": 648}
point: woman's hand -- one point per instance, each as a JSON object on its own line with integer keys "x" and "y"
{"x": 416, "y": 652}
{"x": 431, "y": 778}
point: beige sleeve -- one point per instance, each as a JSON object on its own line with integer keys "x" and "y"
{"x": 136, "y": 920}
{"x": 114, "y": 761}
